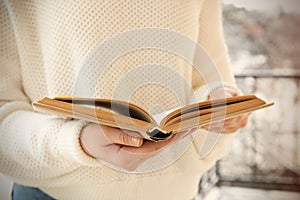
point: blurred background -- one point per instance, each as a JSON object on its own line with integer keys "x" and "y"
{"x": 264, "y": 161}
{"x": 263, "y": 38}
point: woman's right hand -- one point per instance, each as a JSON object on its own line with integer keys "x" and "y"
{"x": 126, "y": 149}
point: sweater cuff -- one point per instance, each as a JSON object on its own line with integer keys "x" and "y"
{"x": 69, "y": 143}
{"x": 11, "y": 107}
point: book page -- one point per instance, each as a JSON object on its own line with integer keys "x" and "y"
{"x": 212, "y": 117}
{"x": 160, "y": 116}
{"x": 121, "y": 107}
{"x": 100, "y": 116}
{"x": 204, "y": 105}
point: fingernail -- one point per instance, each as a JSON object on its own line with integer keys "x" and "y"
{"x": 136, "y": 141}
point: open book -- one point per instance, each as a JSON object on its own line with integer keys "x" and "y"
{"x": 129, "y": 116}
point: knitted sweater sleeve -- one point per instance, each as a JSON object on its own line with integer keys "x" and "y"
{"x": 211, "y": 39}
{"x": 213, "y": 146}
{"x": 33, "y": 147}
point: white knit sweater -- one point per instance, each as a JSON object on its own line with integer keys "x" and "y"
{"x": 45, "y": 45}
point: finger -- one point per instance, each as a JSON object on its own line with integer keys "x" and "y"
{"x": 118, "y": 136}
{"x": 131, "y": 158}
{"x": 243, "y": 117}
{"x": 151, "y": 147}
{"x": 219, "y": 127}
{"x": 216, "y": 127}
{"x": 222, "y": 93}
{"x": 229, "y": 126}
{"x": 239, "y": 121}
{"x": 114, "y": 155}
{"x": 220, "y": 123}
{"x": 229, "y": 130}
{"x": 138, "y": 162}
{"x": 184, "y": 134}
{"x": 135, "y": 159}
{"x": 242, "y": 123}
{"x": 132, "y": 133}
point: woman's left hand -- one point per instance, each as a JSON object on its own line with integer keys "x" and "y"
{"x": 229, "y": 125}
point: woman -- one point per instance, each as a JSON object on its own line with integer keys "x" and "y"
{"x": 44, "y": 48}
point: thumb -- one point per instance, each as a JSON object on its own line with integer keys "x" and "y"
{"x": 119, "y": 136}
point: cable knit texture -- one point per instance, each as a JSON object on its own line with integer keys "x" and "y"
{"x": 43, "y": 47}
